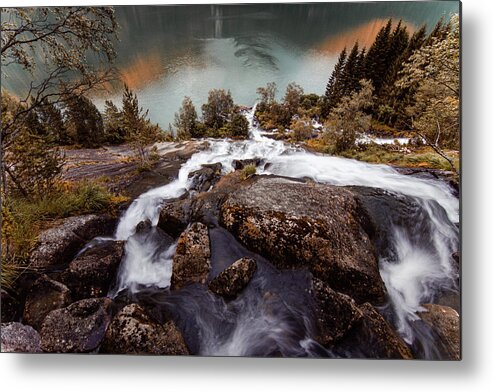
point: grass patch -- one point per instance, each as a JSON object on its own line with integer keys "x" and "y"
{"x": 418, "y": 157}
{"x": 22, "y": 220}
{"x": 248, "y": 171}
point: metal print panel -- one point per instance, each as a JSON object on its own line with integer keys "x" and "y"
{"x": 261, "y": 180}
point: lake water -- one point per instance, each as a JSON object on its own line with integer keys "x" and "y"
{"x": 167, "y": 52}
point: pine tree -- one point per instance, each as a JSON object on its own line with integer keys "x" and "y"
{"x": 113, "y": 124}
{"x": 186, "y": 121}
{"x": 218, "y": 109}
{"x": 377, "y": 57}
{"x": 84, "y": 121}
{"x": 51, "y": 118}
{"x": 350, "y": 76}
{"x": 331, "y": 92}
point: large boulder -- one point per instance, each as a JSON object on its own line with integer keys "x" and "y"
{"x": 230, "y": 282}
{"x": 77, "y": 328}
{"x": 191, "y": 263}
{"x": 444, "y": 321}
{"x": 19, "y": 338}
{"x": 373, "y": 337}
{"x": 205, "y": 177}
{"x": 59, "y": 244}
{"x": 44, "y": 296}
{"x": 91, "y": 273}
{"x": 335, "y": 313}
{"x": 313, "y": 226}
{"x": 132, "y": 331}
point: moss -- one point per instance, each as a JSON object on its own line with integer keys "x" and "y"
{"x": 248, "y": 171}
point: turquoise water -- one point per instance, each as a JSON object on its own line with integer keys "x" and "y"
{"x": 167, "y": 52}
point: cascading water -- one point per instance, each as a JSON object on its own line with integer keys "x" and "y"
{"x": 255, "y": 325}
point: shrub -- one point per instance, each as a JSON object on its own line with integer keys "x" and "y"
{"x": 248, "y": 171}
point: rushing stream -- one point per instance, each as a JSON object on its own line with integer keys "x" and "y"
{"x": 273, "y": 315}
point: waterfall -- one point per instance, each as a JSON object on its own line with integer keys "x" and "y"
{"x": 419, "y": 268}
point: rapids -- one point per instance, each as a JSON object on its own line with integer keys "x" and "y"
{"x": 272, "y": 315}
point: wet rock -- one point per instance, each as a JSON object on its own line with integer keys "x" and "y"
{"x": 191, "y": 263}
{"x": 132, "y": 331}
{"x": 230, "y": 282}
{"x": 19, "y": 338}
{"x": 61, "y": 243}
{"x": 143, "y": 226}
{"x": 313, "y": 226}
{"x": 174, "y": 217}
{"x": 205, "y": 177}
{"x": 44, "y": 296}
{"x": 456, "y": 257}
{"x": 373, "y": 337}
{"x": 9, "y": 306}
{"x": 335, "y": 313}
{"x": 77, "y": 328}
{"x": 445, "y": 322}
{"x": 239, "y": 164}
{"x": 91, "y": 273}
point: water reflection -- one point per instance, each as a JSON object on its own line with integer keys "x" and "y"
{"x": 167, "y": 52}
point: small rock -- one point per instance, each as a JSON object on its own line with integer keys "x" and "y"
{"x": 19, "y": 338}
{"x": 77, "y": 328}
{"x": 239, "y": 164}
{"x": 456, "y": 257}
{"x": 191, "y": 263}
{"x": 205, "y": 177}
{"x": 61, "y": 243}
{"x": 143, "y": 226}
{"x": 91, "y": 274}
{"x": 44, "y": 296}
{"x": 230, "y": 282}
{"x": 335, "y": 313}
{"x": 445, "y": 322}
{"x": 132, "y": 331}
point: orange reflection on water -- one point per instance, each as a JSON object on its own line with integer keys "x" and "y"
{"x": 364, "y": 34}
{"x": 142, "y": 71}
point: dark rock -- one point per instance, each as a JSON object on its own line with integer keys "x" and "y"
{"x": 143, "y": 226}
{"x": 335, "y": 313}
{"x": 61, "y": 243}
{"x": 19, "y": 338}
{"x": 314, "y": 226}
{"x": 205, "y": 177}
{"x": 373, "y": 337}
{"x": 444, "y": 321}
{"x": 456, "y": 257}
{"x": 44, "y": 296}
{"x": 230, "y": 282}
{"x": 79, "y": 327}
{"x": 239, "y": 164}
{"x": 174, "y": 217}
{"x": 132, "y": 331}
{"x": 91, "y": 273}
{"x": 10, "y": 307}
{"x": 191, "y": 263}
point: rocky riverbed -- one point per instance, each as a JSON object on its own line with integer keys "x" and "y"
{"x": 262, "y": 265}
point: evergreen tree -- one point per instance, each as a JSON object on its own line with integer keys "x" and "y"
{"x": 218, "y": 109}
{"x": 332, "y": 91}
{"x": 350, "y": 76}
{"x": 140, "y": 132}
{"x": 51, "y": 118}
{"x": 186, "y": 121}
{"x": 377, "y": 57}
{"x": 84, "y": 121}
{"x": 113, "y": 124}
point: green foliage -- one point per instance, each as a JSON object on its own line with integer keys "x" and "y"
{"x": 348, "y": 119}
{"x": 248, "y": 171}
{"x": 302, "y": 129}
{"x": 267, "y": 94}
{"x": 84, "y": 121}
{"x": 292, "y": 99}
{"x": 238, "y": 126}
{"x": 186, "y": 121}
{"x": 218, "y": 109}
{"x": 138, "y": 128}
{"x": 23, "y": 218}
{"x": 113, "y": 124}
